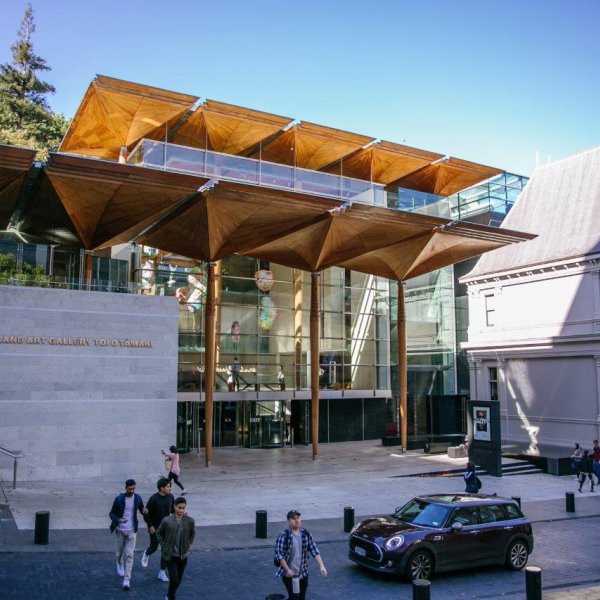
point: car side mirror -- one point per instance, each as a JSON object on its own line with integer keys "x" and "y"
{"x": 456, "y": 526}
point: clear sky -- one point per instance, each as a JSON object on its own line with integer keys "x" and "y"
{"x": 489, "y": 81}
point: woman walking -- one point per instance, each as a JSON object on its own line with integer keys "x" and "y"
{"x": 586, "y": 468}
{"x": 174, "y": 470}
{"x": 471, "y": 479}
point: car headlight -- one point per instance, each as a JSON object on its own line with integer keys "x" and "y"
{"x": 355, "y": 528}
{"x": 394, "y": 542}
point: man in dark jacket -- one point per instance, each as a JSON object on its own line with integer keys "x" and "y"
{"x": 160, "y": 505}
{"x": 124, "y": 522}
{"x": 176, "y": 534}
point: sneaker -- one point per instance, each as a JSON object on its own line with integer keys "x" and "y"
{"x": 183, "y": 492}
{"x": 126, "y": 585}
{"x": 162, "y": 575}
{"x": 120, "y": 569}
{"x": 145, "y": 558}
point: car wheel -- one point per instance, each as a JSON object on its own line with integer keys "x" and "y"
{"x": 517, "y": 555}
{"x": 419, "y": 566}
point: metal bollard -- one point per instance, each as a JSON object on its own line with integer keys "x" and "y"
{"x": 348, "y": 518}
{"x": 42, "y": 527}
{"x": 421, "y": 589}
{"x": 517, "y": 499}
{"x": 261, "y": 524}
{"x": 533, "y": 583}
{"x": 570, "y": 501}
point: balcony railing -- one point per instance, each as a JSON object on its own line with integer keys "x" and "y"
{"x": 214, "y": 165}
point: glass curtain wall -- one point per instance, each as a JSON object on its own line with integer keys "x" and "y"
{"x": 263, "y": 340}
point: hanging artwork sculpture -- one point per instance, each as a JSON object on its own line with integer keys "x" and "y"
{"x": 235, "y": 332}
{"x": 264, "y": 280}
{"x": 267, "y": 313}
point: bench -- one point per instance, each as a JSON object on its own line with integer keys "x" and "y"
{"x": 436, "y": 447}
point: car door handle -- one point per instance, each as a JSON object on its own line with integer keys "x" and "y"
{"x": 507, "y": 528}
{"x": 474, "y": 532}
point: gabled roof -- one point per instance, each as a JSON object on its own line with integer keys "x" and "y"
{"x": 561, "y": 203}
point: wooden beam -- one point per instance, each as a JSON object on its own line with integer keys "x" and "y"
{"x": 402, "y": 367}
{"x": 209, "y": 359}
{"x": 314, "y": 361}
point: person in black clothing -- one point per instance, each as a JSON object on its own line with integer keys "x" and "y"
{"x": 159, "y": 506}
{"x": 586, "y": 467}
{"x": 470, "y": 477}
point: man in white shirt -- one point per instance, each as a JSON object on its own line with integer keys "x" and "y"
{"x": 124, "y": 523}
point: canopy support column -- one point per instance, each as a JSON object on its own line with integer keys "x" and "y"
{"x": 402, "y": 367}
{"x": 314, "y": 361}
{"x": 209, "y": 360}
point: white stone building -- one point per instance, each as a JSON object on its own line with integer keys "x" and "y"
{"x": 534, "y": 311}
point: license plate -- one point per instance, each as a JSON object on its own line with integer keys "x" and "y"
{"x": 360, "y": 551}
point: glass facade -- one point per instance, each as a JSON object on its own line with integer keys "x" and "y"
{"x": 262, "y": 394}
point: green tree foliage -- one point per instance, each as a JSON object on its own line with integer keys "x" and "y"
{"x": 25, "y": 115}
{"x": 27, "y": 275}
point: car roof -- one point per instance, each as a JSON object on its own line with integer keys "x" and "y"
{"x": 463, "y": 498}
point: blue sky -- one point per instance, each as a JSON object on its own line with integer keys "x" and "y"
{"x": 492, "y": 82}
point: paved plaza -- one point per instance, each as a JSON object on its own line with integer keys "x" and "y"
{"x": 230, "y": 562}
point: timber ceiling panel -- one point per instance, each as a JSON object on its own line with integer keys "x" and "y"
{"x": 383, "y": 162}
{"x": 44, "y": 219}
{"x": 227, "y": 128}
{"x": 15, "y": 164}
{"x": 311, "y": 146}
{"x": 231, "y": 217}
{"x": 446, "y": 177}
{"x": 117, "y": 113}
{"x": 103, "y": 199}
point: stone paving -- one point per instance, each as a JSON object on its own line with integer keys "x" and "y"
{"x": 230, "y": 562}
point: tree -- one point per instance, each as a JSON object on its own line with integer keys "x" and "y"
{"x": 25, "y": 115}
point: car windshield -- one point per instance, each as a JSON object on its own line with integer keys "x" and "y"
{"x": 420, "y": 512}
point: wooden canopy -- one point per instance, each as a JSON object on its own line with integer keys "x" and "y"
{"x": 15, "y": 164}
{"x": 105, "y": 199}
{"x": 311, "y": 146}
{"x": 116, "y": 113}
{"x": 383, "y": 162}
{"x": 446, "y": 176}
{"x": 111, "y": 203}
{"x": 227, "y": 128}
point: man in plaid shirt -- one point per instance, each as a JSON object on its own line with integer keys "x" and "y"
{"x": 291, "y": 554}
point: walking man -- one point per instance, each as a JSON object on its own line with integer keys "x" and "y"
{"x": 124, "y": 523}
{"x": 176, "y": 534}
{"x": 235, "y": 373}
{"x": 160, "y": 505}
{"x": 291, "y": 554}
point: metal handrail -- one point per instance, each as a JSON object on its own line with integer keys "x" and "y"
{"x": 15, "y": 456}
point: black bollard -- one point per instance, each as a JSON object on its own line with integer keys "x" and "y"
{"x": 533, "y": 583}
{"x": 42, "y": 527}
{"x": 421, "y": 589}
{"x": 348, "y": 518}
{"x": 261, "y": 524}
{"x": 570, "y": 501}
{"x": 517, "y": 499}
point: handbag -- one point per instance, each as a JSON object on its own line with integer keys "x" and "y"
{"x": 478, "y": 482}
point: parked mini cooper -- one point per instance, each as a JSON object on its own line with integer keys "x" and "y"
{"x": 443, "y": 532}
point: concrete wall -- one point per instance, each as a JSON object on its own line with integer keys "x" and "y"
{"x": 545, "y": 344}
{"x": 89, "y": 383}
